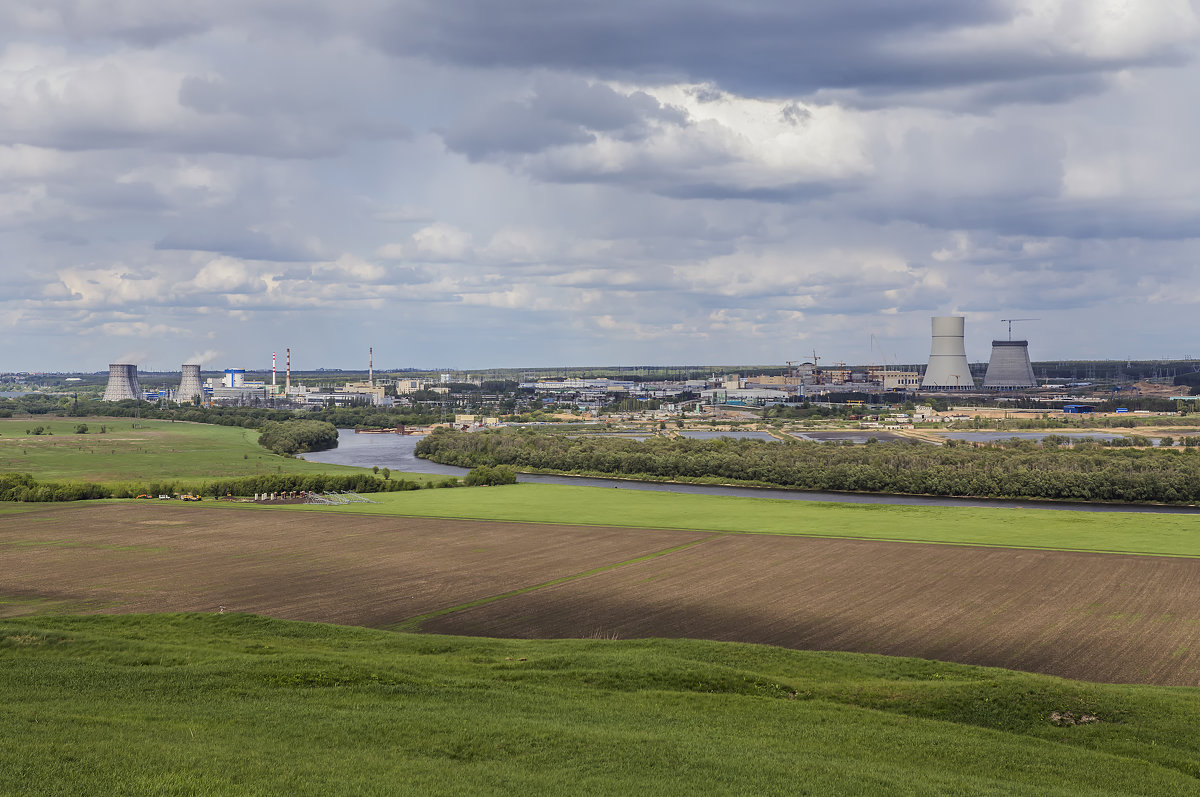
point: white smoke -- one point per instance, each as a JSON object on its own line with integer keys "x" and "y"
{"x": 200, "y": 358}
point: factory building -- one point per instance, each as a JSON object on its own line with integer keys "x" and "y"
{"x": 889, "y": 379}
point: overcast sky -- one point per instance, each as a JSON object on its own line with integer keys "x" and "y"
{"x": 472, "y": 183}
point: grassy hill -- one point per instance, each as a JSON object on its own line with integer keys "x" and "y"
{"x": 186, "y": 704}
{"x": 130, "y": 450}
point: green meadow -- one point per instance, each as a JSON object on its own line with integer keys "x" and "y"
{"x": 1116, "y": 532}
{"x": 139, "y": 450}
{"x": 237, "y": 704}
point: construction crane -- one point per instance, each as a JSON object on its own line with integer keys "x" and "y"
{"x": 1011, "y": 320}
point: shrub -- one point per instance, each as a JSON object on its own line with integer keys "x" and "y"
{"x": 485, "y": 476}
{"x": 296, "y": 437}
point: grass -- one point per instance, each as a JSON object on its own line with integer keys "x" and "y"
{"x": 1111, "y": 532}
{"x": 141, "y": 450}
{"x": 184, "y": 704}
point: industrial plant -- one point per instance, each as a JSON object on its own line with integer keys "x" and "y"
{"x": 948, "y": 370}
{"x": 122, "y": 383}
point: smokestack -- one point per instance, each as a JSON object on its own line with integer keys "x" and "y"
{"x": 272, "y": 369}
{"x": 371, "y": 367}
{"x": 948, "y": 367}
{"x": 287, "y": 385}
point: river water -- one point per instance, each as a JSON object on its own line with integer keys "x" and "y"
{"x": 395, "y": 452}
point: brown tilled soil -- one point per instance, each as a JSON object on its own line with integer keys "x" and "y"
{"x": 1092, "y": 616}
{"x": 349, "y": 569}
{"x": 1096, "y": 617}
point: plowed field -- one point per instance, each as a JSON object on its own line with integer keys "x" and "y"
{"x": 1097, "y": 617}
{"x": 1101, "y": 617}
{"x": 338, "y": 569}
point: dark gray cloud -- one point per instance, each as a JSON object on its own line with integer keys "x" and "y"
{"x": 560, "y": 111}
{"x": 774, "y": 48}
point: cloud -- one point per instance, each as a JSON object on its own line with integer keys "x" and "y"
{"x": 441, "y": 242}
{"x": 651, "y": 181}
{"x": 240, "y": 243}
{"x": 680, "y": 141}
{"x": 777, "y": 48}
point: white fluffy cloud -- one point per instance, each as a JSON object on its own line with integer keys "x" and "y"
{"x": 651, "y": 181}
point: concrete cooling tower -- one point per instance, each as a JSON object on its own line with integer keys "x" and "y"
{"x": 948, "y": 368}
{"x": 122, "y": 383}
{"x": 1009, "y": 366}
{"x": 189, "y": 386}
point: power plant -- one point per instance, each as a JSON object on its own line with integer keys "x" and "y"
{"x": 948, "y": 368}
{"x": 122, "y": 383}
{"x": 190, "y": 387}
{"x": 1009, "y": 367}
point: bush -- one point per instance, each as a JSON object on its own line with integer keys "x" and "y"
{"x": 485, "y": 476}
{"x": 81, "y": 428}
{"x": 296, "y": 437}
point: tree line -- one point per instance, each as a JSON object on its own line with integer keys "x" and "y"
{"x": 23, "y": 487}
{"x": 1084, "y": 473}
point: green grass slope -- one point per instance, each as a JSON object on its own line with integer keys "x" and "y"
{"x": 140, "y": 450}
{"x": 1123, "y": 532}
{"x": 236, "y": 704}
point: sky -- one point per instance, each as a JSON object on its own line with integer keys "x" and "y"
{"x": 473, "y": 184}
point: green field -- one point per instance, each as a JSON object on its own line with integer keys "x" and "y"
{"x": 140, "y": 450}
{"x": 236, "y": 704}
{"x": 1117, "y": 532}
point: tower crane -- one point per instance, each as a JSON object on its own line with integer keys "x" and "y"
{"x": 1011, "y": 320}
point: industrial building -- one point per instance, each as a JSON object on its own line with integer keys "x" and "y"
{"x": 948, "y": 368}
{"x": 122, "y": 383}
{"x": 1009, "y": 367}
{"x": 891, "y": 379}
{"x": 190, "y": 386}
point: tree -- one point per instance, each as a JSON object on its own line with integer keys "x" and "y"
{"x": 486, "y": 476}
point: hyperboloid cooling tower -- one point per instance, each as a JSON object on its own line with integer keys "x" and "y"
{"x": 948, "y": 368}
{"x": 189, "y": 386}
{"x": 122, "y": 383}
{"x": 1009, "y": 366}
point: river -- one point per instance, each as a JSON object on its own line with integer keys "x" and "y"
{"x": 396, "y": 453}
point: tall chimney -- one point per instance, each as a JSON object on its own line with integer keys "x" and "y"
{"x": 371, "y": 367}
{"x": 287, "y": 385}
{"x": 272, "y": 369}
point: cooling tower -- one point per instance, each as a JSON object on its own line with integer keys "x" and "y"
{"x": 1009, "y": 366}
{"x": 189, "y": 386}
{"x": 122, "y": 383}
{"x": 948, "y": 368}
